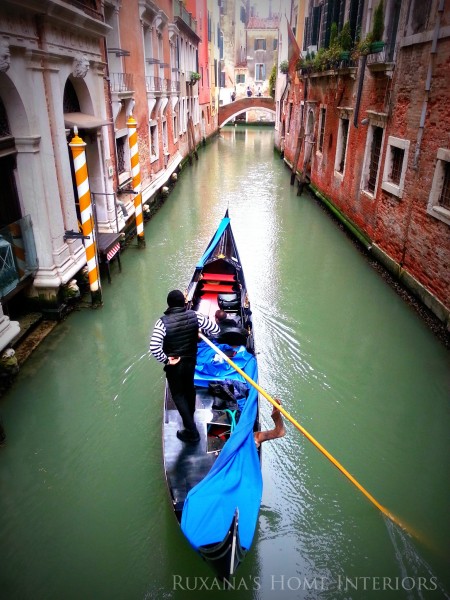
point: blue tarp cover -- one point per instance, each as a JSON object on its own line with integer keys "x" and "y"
{"x": 234, "y": 480}
{"x": 222, "y": 226}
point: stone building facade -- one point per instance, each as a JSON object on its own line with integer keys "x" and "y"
{"x": 85, "y": 68}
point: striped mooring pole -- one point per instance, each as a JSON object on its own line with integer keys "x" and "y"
{"x": 87, "y": 220}
{"x": 136, "y": 179}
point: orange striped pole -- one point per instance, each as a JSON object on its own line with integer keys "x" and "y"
{"x": 136, "y": 179}
{"x": 87, "y": 221}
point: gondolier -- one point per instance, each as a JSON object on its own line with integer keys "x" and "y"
{"x": 174, "y": 343}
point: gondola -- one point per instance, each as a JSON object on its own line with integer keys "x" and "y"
{"x": 215, "y": 486}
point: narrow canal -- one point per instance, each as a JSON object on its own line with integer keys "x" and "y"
{"x": 84, "y": 511}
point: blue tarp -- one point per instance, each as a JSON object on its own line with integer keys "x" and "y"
{"x": 235, "y": 479}
{"x": 222, "y": 226}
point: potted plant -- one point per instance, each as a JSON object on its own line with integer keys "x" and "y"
{"x": 194, "y": 77}
{"x": 345, "y": 41}
{"x": 320, "y": 60}
{"x": 284, "y": 67}
{"x": 307, "y": 63}
{"x": 362, "y": 47}
{"x": 377, "y": 44}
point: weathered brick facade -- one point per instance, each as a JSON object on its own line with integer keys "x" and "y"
{"x": 404, "y": 108}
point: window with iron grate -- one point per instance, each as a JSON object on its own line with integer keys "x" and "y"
{"x": 397, "y": 164}
{"x": 120, "y": 144}
{"x": 343, "y": 150}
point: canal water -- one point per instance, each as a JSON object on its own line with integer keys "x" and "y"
{"x": 84, "y": 510}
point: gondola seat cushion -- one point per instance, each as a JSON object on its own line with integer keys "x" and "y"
{"x": 233, "y": 336}
{"x": 229, "y": 302}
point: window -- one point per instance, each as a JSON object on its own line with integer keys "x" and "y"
{"x": 439, "y": 199}
{"x": 275, "y": 44}
{"x": 371, "y": 170}
{"x": 418, "y": 16}
{"x": 288, "y": 117}
{"x": 444, "y": 197}
{"x": 164, "y": 134}
{"x": 323, "y": 112}
{"x": 341, "y": 152}
{"x": 395, "y": 166}
{"x": 240, "y": 78}
{"x": 397, "y": 162}
{"x": 123, "y": 156}
{"x": 175, "y": 125}
{"x": 375, "y": 152}
{"x": 260, "y": 72}
{"x": 260, "y": 44}
{"x": 153, "y": 140}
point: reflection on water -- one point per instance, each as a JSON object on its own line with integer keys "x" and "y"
{"x": 84, "y": 506}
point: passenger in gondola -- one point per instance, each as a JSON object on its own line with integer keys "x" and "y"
{"x": 174, "y": 343}
{"x": 223, "y": 321}
{"x": 271, "y": 434}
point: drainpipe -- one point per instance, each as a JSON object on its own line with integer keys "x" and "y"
{"x": 360, "y": 87}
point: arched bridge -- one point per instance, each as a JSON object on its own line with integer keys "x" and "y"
{"x": 231, "y": 110}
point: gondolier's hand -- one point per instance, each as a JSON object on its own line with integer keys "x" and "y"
{"x": 173, "y": 360}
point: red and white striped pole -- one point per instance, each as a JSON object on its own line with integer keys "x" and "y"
{"x": 87, "y": 221}
{"x": 136, "y": 179}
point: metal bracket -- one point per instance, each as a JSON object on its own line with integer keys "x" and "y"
{"x": 75, "y": 235}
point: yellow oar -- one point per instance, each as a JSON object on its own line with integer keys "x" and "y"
{"x": 303, "y": 430}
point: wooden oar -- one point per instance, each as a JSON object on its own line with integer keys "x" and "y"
{"x": 303, "y": 430}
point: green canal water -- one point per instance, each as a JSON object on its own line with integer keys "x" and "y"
{"x": 84, "y": 510}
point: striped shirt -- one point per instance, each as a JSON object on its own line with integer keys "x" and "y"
{"x": 159, "y": 333}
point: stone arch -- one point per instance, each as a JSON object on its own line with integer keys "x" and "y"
{"x": 14, "y": 107}
{"x": 240, "y": 112}
{"x": 227, "y": 112}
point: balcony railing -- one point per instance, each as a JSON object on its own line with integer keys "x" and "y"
{"x": 121, "y": 82}
{"x": 180, "y": 12}
{"x": 173, "y": 86}
{"x": 89, "y": 7}
{"x": 17, "y": 254}
{"x": 161, "y": 84}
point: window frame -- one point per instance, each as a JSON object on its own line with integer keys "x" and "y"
{"x": 341, "y": 152}
{"x": 375, "y": 120}
{"x": 153, "y": 124}
{"x": 263, "y": 71}
{"x": 126, "y": 174}
{"x": 434, "y": 209}
{"x": 396, "y": 189}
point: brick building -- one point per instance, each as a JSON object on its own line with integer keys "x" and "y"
{"x": 371, "y": 131}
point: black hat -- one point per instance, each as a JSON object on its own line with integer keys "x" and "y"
{"x": 175, "y": 298}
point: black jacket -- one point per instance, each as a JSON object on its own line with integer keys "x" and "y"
{"x": 181, "y": 332}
